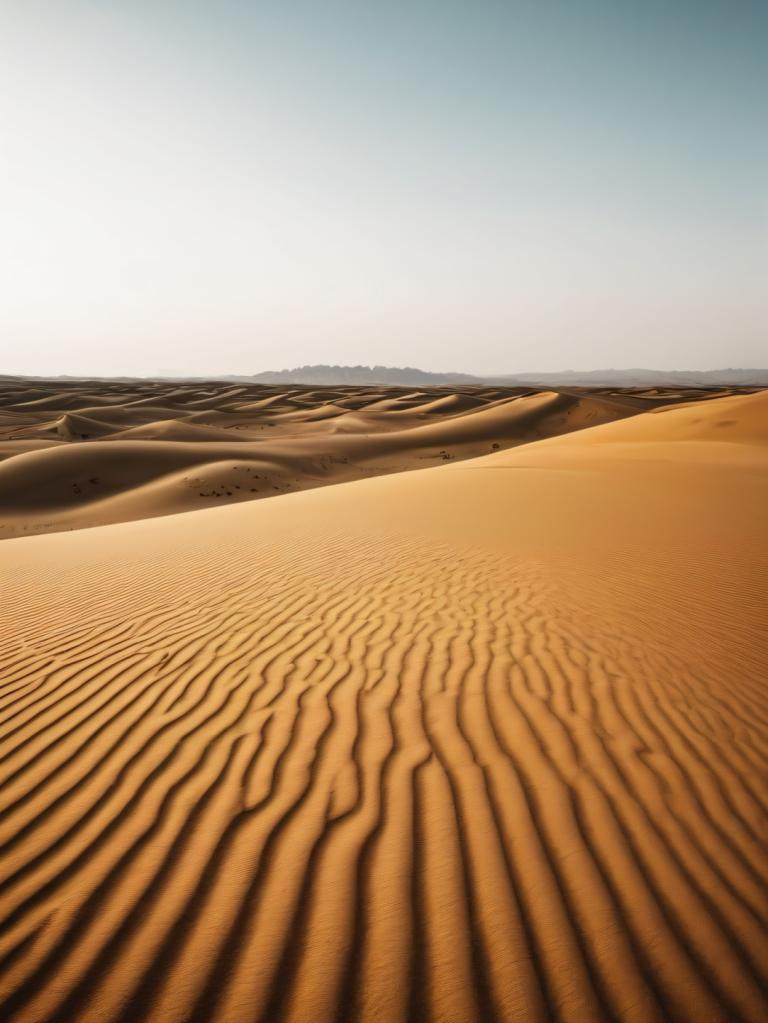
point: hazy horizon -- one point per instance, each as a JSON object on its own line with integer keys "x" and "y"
{"x": 480, "y": 188}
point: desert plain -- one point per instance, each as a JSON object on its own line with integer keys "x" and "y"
{"x": 356, "y": 703}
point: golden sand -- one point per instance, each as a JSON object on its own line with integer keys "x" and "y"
{"x": 486, "y": 742}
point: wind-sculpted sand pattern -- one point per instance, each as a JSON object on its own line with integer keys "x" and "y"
{"x": 393, "y": 781}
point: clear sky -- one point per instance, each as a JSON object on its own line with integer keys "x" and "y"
{"x": 221, "y": 186}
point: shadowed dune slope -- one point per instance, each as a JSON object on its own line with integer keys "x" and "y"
{"x": 484, "y": 744}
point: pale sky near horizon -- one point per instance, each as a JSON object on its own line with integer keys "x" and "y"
{"x": 203, "y": 188}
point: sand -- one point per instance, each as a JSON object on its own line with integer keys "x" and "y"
{"x": 482, "y": 742}
{"x": 76, "y": 454}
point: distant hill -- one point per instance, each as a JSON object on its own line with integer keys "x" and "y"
{"x": 407, "y": 376}
{"x": 639, "y": 378}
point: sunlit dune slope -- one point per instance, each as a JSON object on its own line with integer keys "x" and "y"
{"x": 485, "y": 743}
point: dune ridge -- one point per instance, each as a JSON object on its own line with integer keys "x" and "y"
{"x": 480, "y": 744}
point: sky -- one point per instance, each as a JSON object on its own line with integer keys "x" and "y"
{"x": 203, "y": 187}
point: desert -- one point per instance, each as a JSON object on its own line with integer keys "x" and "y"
{"x": 383, "y": 512}
{"x": 354, "y": 703}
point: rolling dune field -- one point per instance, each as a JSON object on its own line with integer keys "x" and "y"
{"x": 84, "y": 453}
{"x": 483, "y": 742}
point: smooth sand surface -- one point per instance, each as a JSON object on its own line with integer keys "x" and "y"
{"x": 479, "y": 743}
{"x": 75, "y": 454}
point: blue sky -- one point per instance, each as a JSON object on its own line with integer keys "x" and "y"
{"x": 487, "y": 186}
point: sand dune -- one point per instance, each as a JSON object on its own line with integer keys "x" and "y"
{"x": 137, "y": 449}
{"x": 742, "y": 418}
{"x": 484, "y": 743}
